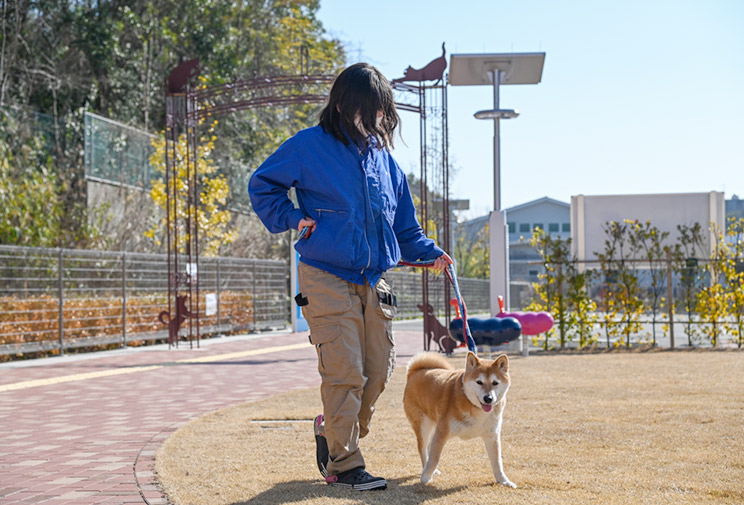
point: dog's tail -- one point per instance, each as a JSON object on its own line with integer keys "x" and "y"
{"x": 427, "y": 361}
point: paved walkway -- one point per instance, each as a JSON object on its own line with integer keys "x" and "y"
{"x": 84, "y": 429}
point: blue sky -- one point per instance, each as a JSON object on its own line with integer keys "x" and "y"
{"x": 636, "y": 96}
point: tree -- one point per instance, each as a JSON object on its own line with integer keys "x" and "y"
{"x": 472, "y": 257}
{"x": 29, "y": 210}
{"x": 582, "y": 317}
{"x": 687, "y": 250}
{"x": 648, "y": 240}
{"x": 712, "y": 300}
{"x": 213, "y": 218}
{"x": 622, "y": 288}
{"x": 32, "y": 207}
{"x": 733, "y": 275}
{"x": 551, "y": 291}
{"x": 111, "y": 57}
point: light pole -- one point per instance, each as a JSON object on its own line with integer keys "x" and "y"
{"x": 496, "y": 70}
{"x": 497, "y": 114}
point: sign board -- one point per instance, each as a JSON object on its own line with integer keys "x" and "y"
{"x": 192, "y": 270}
{"x": 211, "y": 304}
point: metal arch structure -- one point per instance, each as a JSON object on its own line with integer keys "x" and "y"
{"x": 430, "y": 102}
{"x": 187, "y": 106}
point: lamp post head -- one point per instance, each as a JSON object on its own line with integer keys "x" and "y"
{"x": 476, "y": 69}
{"x": 497, "y": 114}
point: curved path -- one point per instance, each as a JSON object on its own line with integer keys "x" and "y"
{"x": 84, "y": 429}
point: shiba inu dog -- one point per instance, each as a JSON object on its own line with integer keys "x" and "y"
{"x": 442, "y": 403}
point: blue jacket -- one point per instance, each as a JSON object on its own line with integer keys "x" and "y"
{"x": 365, "y": 217}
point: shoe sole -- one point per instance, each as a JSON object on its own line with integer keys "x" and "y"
{"x": 378, "y": 484}
{"x": 321, "y": 446}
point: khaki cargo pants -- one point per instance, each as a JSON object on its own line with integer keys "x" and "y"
{"x": 352, "y": 333}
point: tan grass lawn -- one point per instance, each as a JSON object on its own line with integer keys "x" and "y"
{"x": 608, "y": 428}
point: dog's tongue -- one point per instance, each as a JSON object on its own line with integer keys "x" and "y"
{"x": 486, "y": 408}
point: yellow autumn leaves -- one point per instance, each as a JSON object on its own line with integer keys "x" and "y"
{"x": 214, "y": 219}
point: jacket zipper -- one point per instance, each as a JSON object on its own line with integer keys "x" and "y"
{"x": 369, "y": 206}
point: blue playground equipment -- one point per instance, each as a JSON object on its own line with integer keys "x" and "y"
{"x": 493, "y": 331}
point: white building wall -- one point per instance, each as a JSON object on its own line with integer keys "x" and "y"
{"x": 665, "y": 211}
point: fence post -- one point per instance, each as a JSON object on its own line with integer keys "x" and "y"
{"x": 561, "y": 308}
{"x": 61, "y": 300}
{"x": 124, "y": 299}
{"x": 219, "y": 299}
{"x": 670, "y": 298}
{"x": 254, "y": 295}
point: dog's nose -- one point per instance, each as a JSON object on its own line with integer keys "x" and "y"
{"x": 487, "y": 399}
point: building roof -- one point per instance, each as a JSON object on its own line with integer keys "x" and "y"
{"x": 532, "y": 203}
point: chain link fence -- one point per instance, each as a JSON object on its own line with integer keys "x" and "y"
{"x": 117, "y": 153}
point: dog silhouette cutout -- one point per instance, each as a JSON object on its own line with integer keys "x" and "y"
{"x": 437, "y": 331}
{"x": 174, "y": 323}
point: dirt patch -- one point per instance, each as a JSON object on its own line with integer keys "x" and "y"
{"x": 615, "y": 428}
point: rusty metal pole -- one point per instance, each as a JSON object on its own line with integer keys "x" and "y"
{"x": 194, "y": 212}
{"x": 424, "y": 208}
{"x": 447, "y": 239}
{"x": 168, "y": 131}
{"x": 188, "y": 234}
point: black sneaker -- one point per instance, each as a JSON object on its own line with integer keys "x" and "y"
{"x": 357, "y": 479}
{"x": 321, "y": 445}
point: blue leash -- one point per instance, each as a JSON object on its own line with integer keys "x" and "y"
{"x": 450, "y": 271}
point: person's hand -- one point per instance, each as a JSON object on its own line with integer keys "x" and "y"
{"x": 310, "y": 223}
{"x": 441, "y": 263}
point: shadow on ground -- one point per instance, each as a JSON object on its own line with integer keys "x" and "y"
{"x": 299, "y": 491}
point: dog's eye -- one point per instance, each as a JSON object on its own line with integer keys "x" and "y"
{"x": 479, "y": 382}
{"x": 495, "y": 383}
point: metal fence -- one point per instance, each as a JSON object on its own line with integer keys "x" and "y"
{"x": 55, "y": 299}
{"x": 633, "y": 303}
{"x": 408, "y": 290}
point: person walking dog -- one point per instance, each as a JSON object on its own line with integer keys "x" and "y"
{"x": 359, "y": 220}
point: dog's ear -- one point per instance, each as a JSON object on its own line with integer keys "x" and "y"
{"x": 503, "y": 363}
{"x": 472, "y": 360}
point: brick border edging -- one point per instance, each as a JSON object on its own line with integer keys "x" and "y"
{"x": 144, "y": 467}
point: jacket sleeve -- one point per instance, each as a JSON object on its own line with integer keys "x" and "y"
{"x": 268, "y": 189}
{"x": 414, "y": 245}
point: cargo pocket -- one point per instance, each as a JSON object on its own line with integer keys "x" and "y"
{"x": 323, "y": 337}
{"x": 327, "y": 295}
{"x": 391, "y": 356}
{"x": 387, "y": 304}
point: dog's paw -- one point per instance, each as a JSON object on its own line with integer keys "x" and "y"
{"x": 426, "y": 479}
{"x": 508, "y": 483}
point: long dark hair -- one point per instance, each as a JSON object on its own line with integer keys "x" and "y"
{"x": 362, "y": 89}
